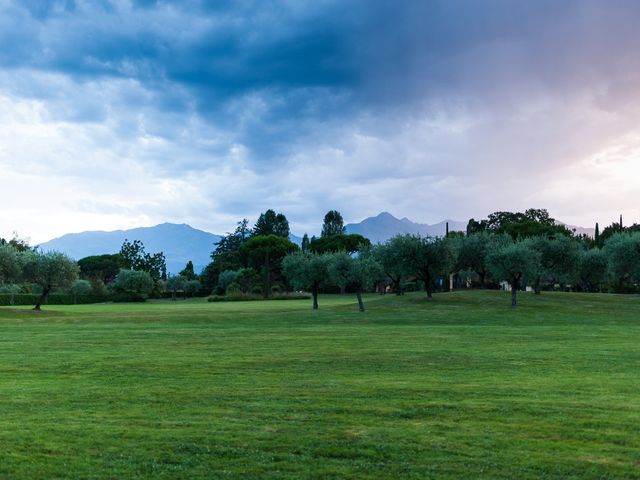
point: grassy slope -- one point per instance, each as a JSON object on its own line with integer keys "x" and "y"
{"x": 461, "y": 387}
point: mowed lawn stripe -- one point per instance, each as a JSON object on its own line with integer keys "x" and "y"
{"x": 460, "y": 387}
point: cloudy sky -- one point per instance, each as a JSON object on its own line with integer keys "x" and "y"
{"x": 123, "y": 113}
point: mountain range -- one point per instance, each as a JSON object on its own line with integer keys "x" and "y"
{"x": 181, "y": 242}
{"x": 384, "y": 226}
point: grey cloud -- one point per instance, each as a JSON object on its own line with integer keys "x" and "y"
{"x": 380, "y": 97}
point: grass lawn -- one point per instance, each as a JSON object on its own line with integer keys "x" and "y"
{"x": 460, "y": 387}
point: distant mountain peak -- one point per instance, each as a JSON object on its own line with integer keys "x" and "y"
{"x": 384, "y": 226}
{"x": 179, "y": 243}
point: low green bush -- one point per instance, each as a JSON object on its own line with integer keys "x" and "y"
{"x": 290, "y": 296}
{"x": 7, "y": 299}
{"x": 234, "y": 298}
{"x": 127, "y": 297}
{"x": 248, "y": 297}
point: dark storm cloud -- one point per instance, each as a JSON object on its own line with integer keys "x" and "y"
{"x": 322, "y": 60}
{"x": 394, "y": 95}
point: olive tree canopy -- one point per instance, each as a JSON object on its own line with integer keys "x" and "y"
{"x": 49, "y": 270}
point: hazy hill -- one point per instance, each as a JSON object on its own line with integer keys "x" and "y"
{"x": 385, "y": 226}
{"x": 590, "y": 232}
{"x": 180, "y": 243}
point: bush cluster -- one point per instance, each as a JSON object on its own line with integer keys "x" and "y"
{"x": 248, "y": 297}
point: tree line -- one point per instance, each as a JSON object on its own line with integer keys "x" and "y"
{"x": 512, "y": 249}
{"x": 132, "y": 274}
{"x": 515, "y": 249}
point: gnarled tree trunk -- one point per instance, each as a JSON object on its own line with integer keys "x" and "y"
{"x": 267, "y": 277}
{"x": 360, "y": 302}
{"x": 314, "y": 293}
{"x": 515, "y": 284}
{"x": 428, "y": 286}
{"x": 43, "y": 297}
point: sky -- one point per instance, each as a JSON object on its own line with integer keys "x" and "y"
{"x": 120, "y": 114}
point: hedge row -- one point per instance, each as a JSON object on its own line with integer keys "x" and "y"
{"x": 7, "y": 299}
{"x": 248, "y": 297}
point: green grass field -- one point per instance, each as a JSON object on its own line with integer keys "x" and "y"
{"x": 461, "y": 387}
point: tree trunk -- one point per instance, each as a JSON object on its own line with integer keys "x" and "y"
{"x": 43, "y": 297}
{"x": 515, "y": 284}
{"x": 267, "y": 279}
{"x": 343, "y": 289}
{"x": 536, "y": 286}
{"x": 314, "y": 293}
{"x": 360, "y": 302}
{"x": 397, "y": 286}
{"x": 428, "y": 286}
{"x": 483, "y": 277}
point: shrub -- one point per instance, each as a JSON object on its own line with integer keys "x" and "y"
{"x": 7, "y": 299}
{"x": 239, "y": 297}
{"x": 227, "y": 278}
{"x": 98, "y": 287}
{"x": 191, "y": 287}
{"x": 133, "y": 282}
{"x": 291, "y": 296}
{"x": 247, "y": 279}
{"x": 127, "y": 297}
{"x": 247, "y": 297}
{"x": 81, "y": 287}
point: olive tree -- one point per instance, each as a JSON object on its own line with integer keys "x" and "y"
{"x": 191, "y": 287}
{"x": 474, "y": 249}
{"x": 225, "y": 279}
{"x": 513, "y": 263}
{"x": 173, "y": 284}
{"x": 307, "y": 271}
{"x": 134, "y": 281}
{"x": 592, "y": 269}
{"x": 558, "y": 259}
{"x": 427, "y": 258}
{"x": 9, "y": 264}
{"x": 394, "y": 257}
{"x": 357, "y": 274}
{"x": 49, "y": 270}
{"x": 623, "y": 254}
{"x": 80, "y": 287}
